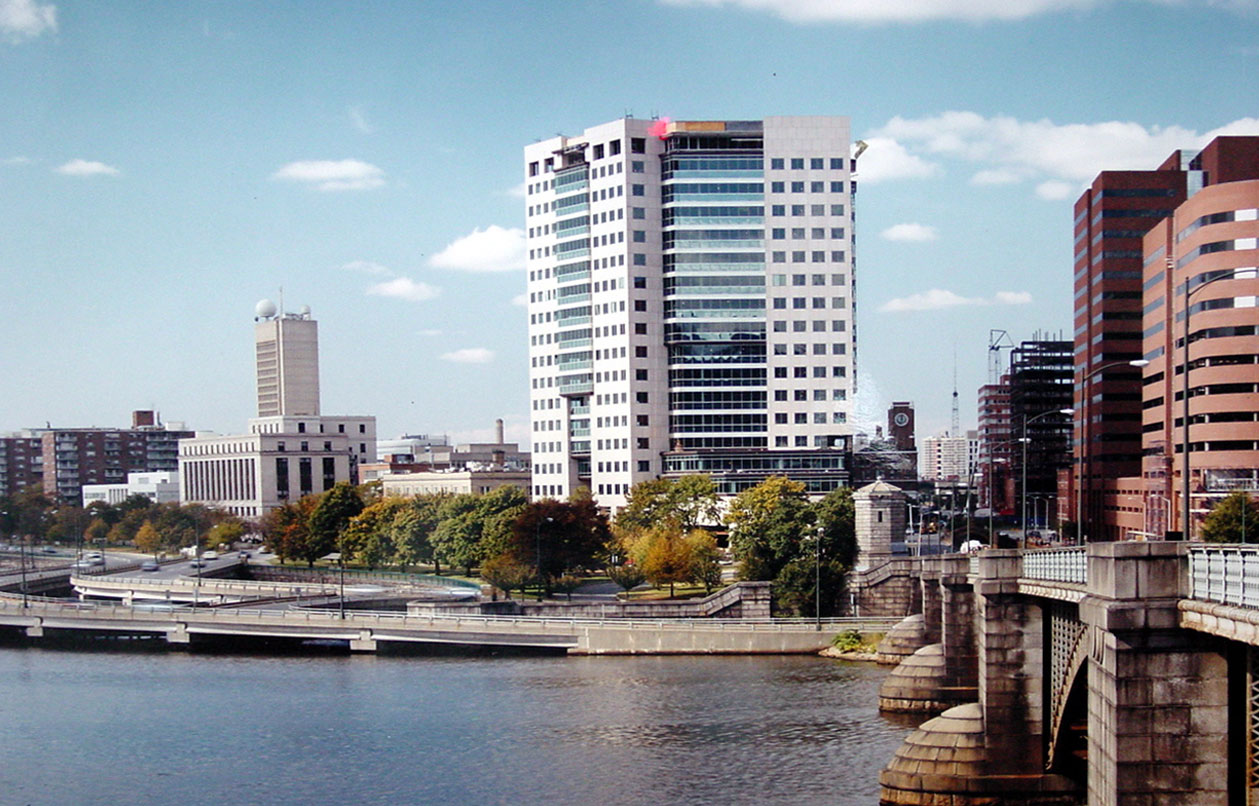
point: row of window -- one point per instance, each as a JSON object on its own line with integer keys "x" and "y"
{"x": 814, "y": 256}
{"x": 816, "y": 303}
{"x": 815, "y": 163}
{"x": 813, "y": 187}
{"x": 805, "y": 349}
{"x": 801, "y": 233}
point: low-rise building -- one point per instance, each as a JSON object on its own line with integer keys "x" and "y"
{"x": 160, "y": 488}
{"x": 454, "y": 481}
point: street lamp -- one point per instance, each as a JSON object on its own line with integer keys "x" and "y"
{"x": 1227, "y": 274}
{"x": 1086, "y": 447}
{"x": 1026, "y": 422}
{"x": 817, "y": 579}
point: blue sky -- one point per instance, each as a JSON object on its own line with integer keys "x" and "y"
{"x": 163, "y": 166}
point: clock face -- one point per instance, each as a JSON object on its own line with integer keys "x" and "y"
{"x": 901, "y": 419}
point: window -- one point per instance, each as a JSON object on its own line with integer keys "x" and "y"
{"x": 640, "y": 260}
{"x": 640, "y": 304}
{"x": 780, "y": 303}
{"x": 797, "y": 209}
{"x": 801, "y": 418}
{"x": 802, "y": 442}
{"x": 638, "y": 212}
{"x": 837, "y": 187}
{"x": 798, "y": 303}
{"x": 817, "y": 232}
{"x": 800, "y": 372}
{"x": 797, "y": 163}
{"x": 340, "y": 428}
{"x": 819, "y": 349}
{"x": 301, "y": 428}
{"x": 817, "y": 187}
{"x": 636, "y": 166}
{"x": 614, "y": 147}
{"x": 637, "y": 190}
{"x": 640, "y": 374}
{"x": 362, "y": 428}
{"x": 817, "y": 209}
{"x": 640, "y": 397}
{"x": 799, "y": 326}
{"x": 799, "y": 349}
{"x": 776, "y": 187}
{"x": 819, "y": 418}
{"x": 640, "y": 328}
{"x": 837, "y": 163}
{"x": 778, "y": 209}
{"x": 818, "y": 279}
{"x": 797, "y": 233}
{"x": 797, "y": 279}
{"x": 837, "y": 209}
{"x": 818, "y": 257}
{"x": 780, "y": 418}
{"x": 797, "y": 187}
{"x": 797, "y": 257}
{"x": 778, "y": 233}
{"x": 780, "y": 394}
{"x": 837, "y": 256}
{"x": 780, "y": 372}
{"x": 819, "y": 302}
{"x": 780, "y": 326}
{"x": 638, "y": 236}
{"x": 638, "y": 145}
{"x": 642, "y": 419}
{"x": 780, "y": 349}
{"x": 837, "y": 232}
{"x": 644, "y": 444}
{"x": 598, "y": 151}
{"x": 644, "y": 466}
{"x": 776, "y": 164}
{"x": 780, "y": 442}
{"x": 640, "y": 352}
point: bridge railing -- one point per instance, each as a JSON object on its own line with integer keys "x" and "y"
{"x": 1057, "y": 565}
{"x": 1225, "y": 574}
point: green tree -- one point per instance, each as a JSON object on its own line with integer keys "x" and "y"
{"x": 688, "y": 501}
{"x": 767, "y": 524}
{"x": 836, "y": 515}
{"x": 329, "y": 518}
{"x": 226, "y": 532}
{"x": 413, "y": 528}
{"x": 705, "y": 559}
{"x": 147, "y": 539}
{"x": 800, "y": 578}
{"x": 1234, "y": 519}
{"x": 475, "y": 527}
{"x": 369, "y": 537}
{"x": 558, "y": 537}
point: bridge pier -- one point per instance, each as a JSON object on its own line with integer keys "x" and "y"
{"x": 1158, "y": 695}
{"x": 179, "y": 635}
{"x": 365, "y": 642}
{"x": 36, "y": 630}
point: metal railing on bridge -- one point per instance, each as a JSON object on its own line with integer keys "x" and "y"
{"x": 1057, "y": 565}
{"x": 1224, "y": 574}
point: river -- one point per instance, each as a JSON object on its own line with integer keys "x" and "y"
{"x": 148, "y": 727}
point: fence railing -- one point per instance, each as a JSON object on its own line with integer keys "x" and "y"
{"x": 1057, "y": 565}
{"x": 1225, "y": 574}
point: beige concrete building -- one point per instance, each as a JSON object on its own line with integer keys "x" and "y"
{"x": 454, "y": 482}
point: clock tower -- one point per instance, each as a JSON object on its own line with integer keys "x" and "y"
{"x": 900, "y": 425}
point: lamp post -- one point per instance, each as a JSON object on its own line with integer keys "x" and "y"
{"x": 1086, "y": 455}
{"x": 1227, "y": 274}
{"x": 1023, "y": 501}
{"x": 817, "y": 580}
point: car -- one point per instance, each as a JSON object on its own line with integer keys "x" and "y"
{"x": 244, "y": 555}
{"x": 83, "y": 565}
{"x": 210, "y": 555}
{"x": 149, "y": 565}
{"x": 197, "y": 564}
{"x": 47, "y": 550}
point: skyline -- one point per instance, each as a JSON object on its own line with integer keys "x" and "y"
{"x": 172, "y": 165}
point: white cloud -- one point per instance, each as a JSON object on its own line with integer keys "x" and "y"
{"x": 909, "y": 232}
{"x": 404, "y": 288}
{"x": 996, "y": 176}
{"x": 428, "y": 332}
{"x": 367, "y": 267}
{"x": 360, "y": 121}
{"x": 333, "y": 174}
{"x": 484, "y": 250}
{"x": 79, "y": 167}
{"x": 469, "y": 355}
{"x": 1044, "y": 150}
{"x": 26, "y": 19}
{"x": 883, "y": 11}
{"x": 16, "y": 161}
{"x": 938, "y": 299}
{"x": 1054, "y": 190}
{"x": 886, "y": 159}
{"x": 1013, "y": 298}
{"x": 517, "y": 192}
{"x": 521, "y": 299}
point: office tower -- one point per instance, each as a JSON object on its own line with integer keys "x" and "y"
{"x": 290, "y": 450}
{"x": 287, "y": 350}
{"x": 1209, "y": 246}
{"x": 1040, "y": 388}
{"x": 690, "y": 288}
{"x": 1111, "y": 218}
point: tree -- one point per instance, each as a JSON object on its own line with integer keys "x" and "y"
{"x": 1234, "y": 519}
{"x": 705, "y": 559}
{"x": 836, "y": 514}
{"x": 507, "y": 573}
{"x": 796, "y": 583}
{"x": 667, "y": 560}
{"x": 687, "y": 501}
{"x": 226, "y": 532}
{"x": 558, "y": 537}
{"x": 369, "y": 537}
{"x": 413, "y": 527}
{"x": 767, "y": 524}
{"x": 147, "y": 539}
{"x": 329, "y": 518}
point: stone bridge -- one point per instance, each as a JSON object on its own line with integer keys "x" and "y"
{"x": 1120, "y": 673}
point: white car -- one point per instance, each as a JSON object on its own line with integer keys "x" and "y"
{"x": 210, "y": 555}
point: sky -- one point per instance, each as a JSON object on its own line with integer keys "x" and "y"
{"x": 164, "y": 166}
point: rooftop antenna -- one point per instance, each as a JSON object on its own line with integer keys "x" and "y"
{"x": 998, "y": 340}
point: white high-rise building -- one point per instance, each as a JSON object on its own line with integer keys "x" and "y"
{"x": 286, "y": 347}
{"x": 690, "y": 303}
{"x": 945, "y": 458}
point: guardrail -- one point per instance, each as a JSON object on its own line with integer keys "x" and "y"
{"x": 354, "y": 619}
{"x": 1224, "y": 574}
{"x": 1057, "y": 565}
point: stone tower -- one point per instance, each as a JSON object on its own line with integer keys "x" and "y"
{"x": 880, "y": 519}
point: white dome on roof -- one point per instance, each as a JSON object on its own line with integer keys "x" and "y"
{"x": 264, "y": 309}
